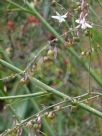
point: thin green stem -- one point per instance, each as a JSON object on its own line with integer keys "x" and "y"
{"x": 34, "y": 12}
{"x": 23, "y": 96}
{"x": 17, "y": 70}
{"x": 54, "y": 91}
{"x": 97, "y": 93}
{"x": 90, "y": 109}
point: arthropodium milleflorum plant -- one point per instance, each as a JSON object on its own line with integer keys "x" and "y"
{"x": 34, "y": 12}
{"x": 53, "y": 91}
{"x": 82, "y": 24}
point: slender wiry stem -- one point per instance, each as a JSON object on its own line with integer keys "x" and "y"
{"x": 34, "y": 12}
{"x": 23, "y": 96}
{"x": 54, "y": 91}
{"x": 17, "y": 70}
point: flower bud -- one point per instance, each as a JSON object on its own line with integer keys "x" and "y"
{"x": 50, "y": 53}
{"x": 51, "y": 115}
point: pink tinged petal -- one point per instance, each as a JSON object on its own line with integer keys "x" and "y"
{"x": 82, "y": 22}
{"x": 83, "y": 19}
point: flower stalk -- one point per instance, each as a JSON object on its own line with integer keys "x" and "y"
{"x": 34, "y": 12}
{"x": 54, "y": 91}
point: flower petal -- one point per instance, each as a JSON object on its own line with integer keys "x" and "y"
{"x": 83, "y": 26}
{"x": 62, "y": 20}
{"x": 57, "y": 14}
{"x": 56, "y": 17}
{"x": 77, "y": 21}
{"x": 77, "y": 26}
{"x": 88, "y": 25}
{"x": 65, "y": 16}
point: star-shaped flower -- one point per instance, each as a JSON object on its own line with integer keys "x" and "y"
{"x": 60, "y": 18}
{"x": 83, "y": 24}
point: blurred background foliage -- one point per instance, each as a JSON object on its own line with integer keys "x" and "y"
{"x": 22, "y": 36}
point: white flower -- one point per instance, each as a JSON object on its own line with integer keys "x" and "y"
{"x": 60, "y": 18}
{"x": 83, "y": 24}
